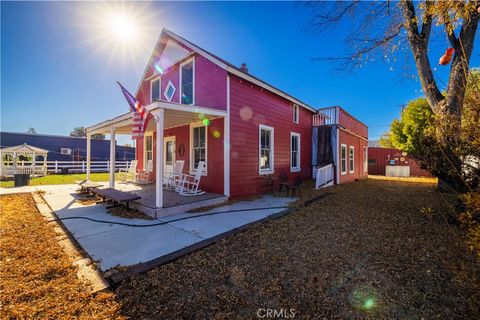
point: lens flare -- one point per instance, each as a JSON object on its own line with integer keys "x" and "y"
{"x": 201, "y": 116}
{"x": 206, "y": 122}
{"x": 216, "y": 134}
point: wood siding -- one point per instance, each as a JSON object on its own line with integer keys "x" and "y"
{"x": 380, "y": 157}
{"x": 251, "y": 106}
{"x": 359, "y": 158}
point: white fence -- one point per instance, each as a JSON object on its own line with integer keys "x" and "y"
{"x": 397, "y": 171}
{"x": 42, "y": 167}
{"x": 81, "y": 166}
{"x": 324, "y": 176}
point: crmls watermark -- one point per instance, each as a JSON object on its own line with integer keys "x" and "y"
{"x": 282, "y": 313}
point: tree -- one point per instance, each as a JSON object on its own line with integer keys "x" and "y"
{"x": 415, "y": 133}
{"x": 385, "y": 141}
{"x": 384, "y": 25}
{"x": 82, "y": 132}
{"x": 31, "y": 130}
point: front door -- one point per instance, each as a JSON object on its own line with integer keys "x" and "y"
{"x": 169, "y": 154}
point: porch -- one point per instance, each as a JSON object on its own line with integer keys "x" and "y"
{"x": 166, "y": 119}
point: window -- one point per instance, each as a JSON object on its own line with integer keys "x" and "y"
{"x": 351, "y": 159}
{"x": 343, "y": 157}
{"x": 294, "y": 152}
{"x": 148, "y": 147}
{"x": 265, "y": 146}
{"x": 198, "y": 134}
{"x": 187, "y": 82}
{"x": 365, "y": 158}
{"x": 169, "y": 91}
{"x": 155, "y": 89}
{"x": 296, "y": 113}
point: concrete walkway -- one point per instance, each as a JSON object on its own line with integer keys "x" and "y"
{"x": 116, "y": 245}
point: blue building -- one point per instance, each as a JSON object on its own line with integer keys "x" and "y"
{"x": 64, "y": 148}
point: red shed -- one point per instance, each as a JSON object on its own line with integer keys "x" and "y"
{"x": 390, "y": 161}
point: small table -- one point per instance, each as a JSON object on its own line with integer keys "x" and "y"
{"x": 87, "y": 186}
{"x": 117, "y": 197}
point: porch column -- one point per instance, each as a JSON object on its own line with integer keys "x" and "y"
{"x": 112, "y": 157}
{"x": 159, "y": 160}
{"x": 226, "y": 156}
{"x": 89, "y": 140}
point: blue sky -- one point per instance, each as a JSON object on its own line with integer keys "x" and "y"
{"x": 57, "y": 75}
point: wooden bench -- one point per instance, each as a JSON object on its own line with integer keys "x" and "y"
{"x": 117, "y": 197}
{"x": 87, "y": 186}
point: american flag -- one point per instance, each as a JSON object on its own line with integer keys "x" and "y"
{"x": 139, "y": 113}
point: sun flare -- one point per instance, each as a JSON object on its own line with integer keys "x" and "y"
{"x": 122, "y": 26}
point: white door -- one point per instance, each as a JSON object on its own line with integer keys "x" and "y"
{"x": 169, "y": 154}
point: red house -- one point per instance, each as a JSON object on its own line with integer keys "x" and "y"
{"x": 202, "y": 108}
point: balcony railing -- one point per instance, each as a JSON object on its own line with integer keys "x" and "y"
{"x": 326, "y": 116}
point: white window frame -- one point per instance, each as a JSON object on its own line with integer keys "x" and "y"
{"x": 272, "y": 144}
{"x": 365, "y": 160}
{"x": 159, "y": 88}
{"x": 192, "y": 126}
{"x": 296, "y": 113}
{"x": 150, "y": 134}
{"x": 170, "y": 84}
{"x": 351, "y": 159}
{"x": 298, "y": 168}
{"x": 192, "y": 60}
{"x": 342, "y": 146}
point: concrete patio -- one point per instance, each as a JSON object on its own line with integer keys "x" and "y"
{"x": 117, "y": 245}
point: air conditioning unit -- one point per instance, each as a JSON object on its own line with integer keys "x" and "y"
{"x": 66, "y": 151}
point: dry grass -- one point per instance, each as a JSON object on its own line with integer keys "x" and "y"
{"x": 364, "y": 250}
{"x": 430, "y": 180}
{"x": 130, "y": 214}
{"x": 37, "y": 279}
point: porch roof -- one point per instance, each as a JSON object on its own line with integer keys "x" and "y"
{"x": 174, "y": 115}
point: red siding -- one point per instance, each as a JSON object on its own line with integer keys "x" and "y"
{"x": 213, "y": 182}
{"x": 250, "y": 106}
{"x": 359, "y": 145}
{"x": 352, "y": 124}
{"x": 210, "y": 84}
{"x": 380, "y": 157}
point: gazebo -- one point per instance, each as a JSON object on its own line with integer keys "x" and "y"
{"x": 23, "y": 159}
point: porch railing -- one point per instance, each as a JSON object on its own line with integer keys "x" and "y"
{"x": 326, "y": 116}
{"x": 324, "y": 176}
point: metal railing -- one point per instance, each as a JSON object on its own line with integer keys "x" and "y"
{"x": 326, "y": 116}
{"x": 324, "y": 176}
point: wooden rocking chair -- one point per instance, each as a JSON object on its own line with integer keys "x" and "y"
{"x": 188, "y": 184}
{"x": 145, "y": 176}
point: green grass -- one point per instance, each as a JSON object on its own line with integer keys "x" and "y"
{"x": 59, "y": 179}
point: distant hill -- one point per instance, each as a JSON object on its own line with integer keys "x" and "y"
{"x": 374, "y": 143}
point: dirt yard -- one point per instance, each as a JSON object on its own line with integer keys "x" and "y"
{"x": 370, "y": 249}
{"x": 37, "y": 279}
{"x": 366, "y": 250}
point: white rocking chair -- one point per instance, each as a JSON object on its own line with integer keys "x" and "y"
{"x": 145, "y": 176}
{"x": 188, "y": 184}
{"x": 171, "y": 178}
{"x": 130, "y": 173}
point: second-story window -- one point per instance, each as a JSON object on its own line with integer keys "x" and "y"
{"x": 155, "y": 89}
{"x": 187, "y": 82}
{"x": 296, "y": 113}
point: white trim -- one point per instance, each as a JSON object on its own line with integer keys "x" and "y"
{"x": 169, "y": 84}
{"x": 165, "y": 140}
{"x": 341, "y": 159}
{"x": 159, "y": 88}
{"x": 192, "y": 60}
{"x": 196, "y": 125}
{"x": 365, "y": 159}
{"x": 351, "y": 159}
{"x": 338, "y": 156}
{"x": 112, "y": 158}
{"x": 272, "y": 151}
{"x": 295, "y": 113}
{"x": 149, "y": 134}
{"x": 152, "y": 108}
{"x": 226, "y": 144}
{"x": 159, "y": 119}
{"x": 295, "y": 169}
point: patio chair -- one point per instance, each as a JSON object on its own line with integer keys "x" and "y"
{"x": 130, "y": 173}
{"x": 188, "y": 184}
{"x": 145, "y": 176}
{"x": 172, "y": 177}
